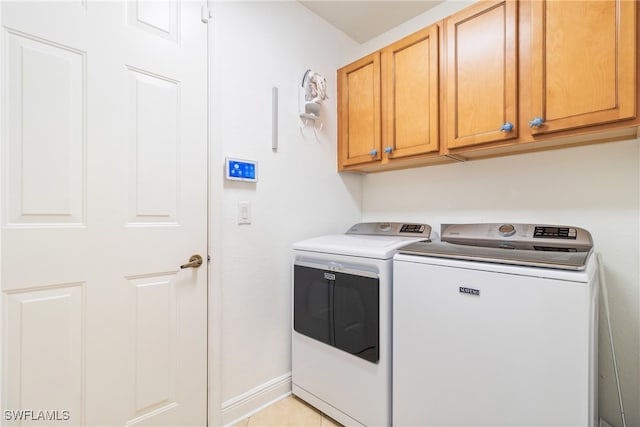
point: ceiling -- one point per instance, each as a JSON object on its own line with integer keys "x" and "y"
{"x": 363, "y": 20}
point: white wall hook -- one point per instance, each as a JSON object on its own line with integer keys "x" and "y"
{"x": 310, "y": 123}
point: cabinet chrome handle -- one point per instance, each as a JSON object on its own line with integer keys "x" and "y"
{"x": 388, "y": 150}
{"x": 194, "y": 262}
{"x": 507, "y": 127}
{"x": 373, "y": 152}
{"x": 536, "y": 122}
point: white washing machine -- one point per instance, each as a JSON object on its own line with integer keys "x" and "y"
{"x": 341, "y": 335}
{"x": 496, "y": 325}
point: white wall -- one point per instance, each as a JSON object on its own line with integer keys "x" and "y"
{"x": 257, "y": 45}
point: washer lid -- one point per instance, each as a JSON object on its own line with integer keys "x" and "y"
{"x": 378, "y": 247}
{"x": 550, "y": 246}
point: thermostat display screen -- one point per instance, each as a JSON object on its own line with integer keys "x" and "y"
{"x": 242, "y": 170}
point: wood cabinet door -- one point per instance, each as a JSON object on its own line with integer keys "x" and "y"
{"x": 359, "y": 130}
{"x": 410, "y": 95}
{"x": 482, "y": 74}
{"x": 583, "y": 63}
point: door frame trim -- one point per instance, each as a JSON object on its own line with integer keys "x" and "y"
{"x": 214, "y": 292}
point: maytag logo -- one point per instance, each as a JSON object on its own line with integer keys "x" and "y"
{"x": 329, "y": 276}
{"x": 469, "y": 291}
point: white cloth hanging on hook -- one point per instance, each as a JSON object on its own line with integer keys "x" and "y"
{"x": 315, "y": 85}
{"x": 312, "y": 92}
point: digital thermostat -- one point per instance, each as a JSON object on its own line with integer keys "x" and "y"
{"x": 241, "y": 170}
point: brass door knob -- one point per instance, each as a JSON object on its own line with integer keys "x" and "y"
{"x": 194, "y": 262}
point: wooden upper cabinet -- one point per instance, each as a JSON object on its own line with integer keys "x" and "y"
{"x": 410, "y": 95}
{"x": 469, "y": 86}
{"x": 482, "y": 74}
{"x": 583, "y": 65}
{"x": 359, "y": 131}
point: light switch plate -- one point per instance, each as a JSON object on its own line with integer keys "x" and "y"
{"x": 244, "y": 213}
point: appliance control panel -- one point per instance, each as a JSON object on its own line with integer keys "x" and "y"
{"x": 546, "y": 232}
{"x": 391, "y": 229}
{"x": 518, "y": 236}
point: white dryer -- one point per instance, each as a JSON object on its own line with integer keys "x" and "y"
{"x": 496, "y": 326}
{"x": 341, "y": 335}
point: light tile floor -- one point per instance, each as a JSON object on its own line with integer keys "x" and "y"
{"x": 288, "y": 412}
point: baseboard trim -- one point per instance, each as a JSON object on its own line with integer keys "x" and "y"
{"x": 603, "y": 422}
{"x": 256, "y": 399}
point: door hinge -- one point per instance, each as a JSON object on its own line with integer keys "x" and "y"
{"x": 205, "y": 14}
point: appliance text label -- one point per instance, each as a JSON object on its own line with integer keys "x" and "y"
{"x": 469, "y": 291}
{"x": 329, "y": 276}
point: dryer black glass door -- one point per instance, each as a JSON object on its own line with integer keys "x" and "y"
{"x": 312, "y": 303}
{"x": 356, "y": 315}
{"x": 338, "y": 309}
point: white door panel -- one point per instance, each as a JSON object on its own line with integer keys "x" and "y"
{"x": 104, "y": 195}
{"x": 46, "y": 322}
{"x": 153, "y": 143}
{"x": 46, "y": 132}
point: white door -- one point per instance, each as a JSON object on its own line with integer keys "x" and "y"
{"x": 104, "y": 148}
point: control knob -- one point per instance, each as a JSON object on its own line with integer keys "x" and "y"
{"x": 385, "y": 226}
{"x": 507, "y": 230}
